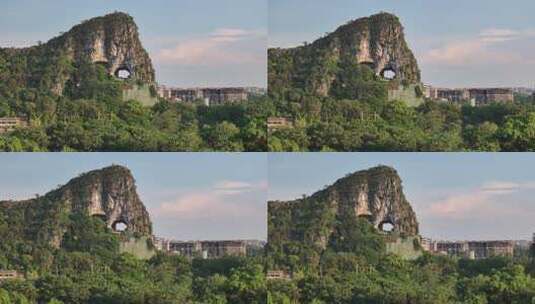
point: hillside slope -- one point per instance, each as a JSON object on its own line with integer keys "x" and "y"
{"x": 376, "y": 42}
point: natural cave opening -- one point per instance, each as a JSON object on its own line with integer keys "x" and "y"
{"x": 119, "y": 226}
{"x": 123, "y": 73}
{"x": 386, "y": 226}
{"x": 388, "y": 74}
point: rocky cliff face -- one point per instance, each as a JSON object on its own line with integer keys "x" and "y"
{"x": 375, "y": 194}
{"x": 111, "y": 40}
{"x": 377, "y": 41}
{"x": 109, "y": 193}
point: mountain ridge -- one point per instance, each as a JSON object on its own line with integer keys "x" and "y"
{"x": 375, "y": 194}
{"x": 111, "y": 40}
{"x": 377, "y": 42}
{"x": 108, "y": 193}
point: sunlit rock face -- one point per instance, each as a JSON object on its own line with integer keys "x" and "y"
{"x": 377, "y": 41}
{"x": 375, "y": 194}
{"x": 111, "y": 40}
{"x": 108, "y": 193}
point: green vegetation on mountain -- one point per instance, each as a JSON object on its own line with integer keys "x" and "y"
{"x": 74, "y": 102}
{"x": 376, "y": 124}
{"x": 352, "y": 277}
{"x": 334, "y": 256}
{"x": 341, "y": 217}
{"x": 66, "y": 249}
{"x": 338, "y": 100}
{"x": 321, "y": 68}
{"x": 89, "y": 268}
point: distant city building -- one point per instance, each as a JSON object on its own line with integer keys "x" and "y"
{"x": 476, "y": 96}
{"x": 256, "y": 91}
{"x": 522, "y": 245}
{"x": 453, "y": 95}
{"x": 160, "y": 244}
{"x": 210, "y": 249}
{"x": 427, "y": 244}
{"x": 486, "y": 249}
{"x": 474, "y": 249}
{"x": 8, "y": 124}
{"x": 491, "y": 95}
{"x": 459, "y": 249}
{"x": 524, "y": 91}
{"x": 210, "y": 96}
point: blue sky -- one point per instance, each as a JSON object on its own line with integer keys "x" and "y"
{"x": 188, "y": 195}
{"x": 191, "y": 42}
{"x": 457, "y": 42}
{"x": 455, "y": 195}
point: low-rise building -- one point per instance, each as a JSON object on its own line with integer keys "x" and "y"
{"x": 8, "y": 124}
{"x": 274, "y": 123}
{"x": 277, "y": 275}
{"x": 10, "y": 275}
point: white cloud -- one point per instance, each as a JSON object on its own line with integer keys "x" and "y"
{"x": 499, "y": 35}
{"x": 224, "y": 199}
{"x": 201, "y": 205}
{"x": 484, "y": 201}
{"x": 231, "y": 35}
{"x": 480, "y": 49}
{"x": 237, "y": 187}
{"x": 223, "y": 46}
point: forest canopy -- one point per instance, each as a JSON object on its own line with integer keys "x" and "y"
{"x": 90, "y": 114}
{"x": 358, "y": 115}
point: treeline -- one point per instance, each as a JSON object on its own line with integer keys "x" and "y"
{"x": 357, "y": 269}
{"x": 89, "y": 114}
{"x": 357, "y": 116}
{"x": 88, "y": 268}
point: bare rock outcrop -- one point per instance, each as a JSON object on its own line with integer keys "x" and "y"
{"x": 111, "y": 41}
{"x": 377, "y": 41}
{"x": 375, "y": 194}
{"x": 109, "y": 193}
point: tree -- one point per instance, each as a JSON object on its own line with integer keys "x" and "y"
{"x": 223, "y": 137}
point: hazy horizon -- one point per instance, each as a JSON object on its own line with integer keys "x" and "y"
{"x": 188, "y": 195}
{"x": 466, "y": 47}
{"x": 191, "y": 43}
{"x": 461, "y": 196}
